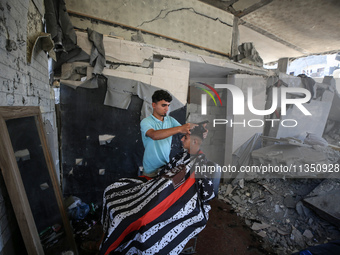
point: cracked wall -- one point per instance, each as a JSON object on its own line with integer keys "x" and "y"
{"x": 23, "y": 84}
{"x": 189, "y": 21}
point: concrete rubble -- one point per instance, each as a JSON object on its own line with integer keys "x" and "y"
{"x": 292, "y": 210}
{"x": 248, "y": 55}
{"x": 278, "y": 210}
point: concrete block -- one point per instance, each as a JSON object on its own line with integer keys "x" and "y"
{"x": 176, "y": 87}
{"x": 175, "y": 64}
{"x": 326, "y": 186}
{"x": 135, "y": 69}
{"x": 181, "y": 20}
{"x": 118, "y": 51}
{"x": 319, "y": 110}
{"x": 6, "y": 85}
{"x": 83, "y": 42}
{"x": 18, "y": 9}
{"x": 21, "y": 100}
{"x": 134, "y": 76}
{"x": 3, "y": 98}
{"x": 6, "y": 72}
{"x": 168, "y": 72}
{"x": 3, "y": 40}
{"x": 326, "y": 206}
{"x": 32, "y": 100}
{"x": 31, "y": 90}
{"x": 10, "y": 99}
{"x": 19, "y": 88}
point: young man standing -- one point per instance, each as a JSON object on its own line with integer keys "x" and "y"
{"x": 157, "y": 131}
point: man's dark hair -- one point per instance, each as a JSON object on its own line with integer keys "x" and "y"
{"x": 160, "y": 95}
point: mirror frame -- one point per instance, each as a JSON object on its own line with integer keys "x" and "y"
{"x": 14, "y": 183}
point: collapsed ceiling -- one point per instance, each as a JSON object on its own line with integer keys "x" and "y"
{"x": 286, "y": 28}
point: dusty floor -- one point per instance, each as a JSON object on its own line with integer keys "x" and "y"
{"x": 225, "y": 233}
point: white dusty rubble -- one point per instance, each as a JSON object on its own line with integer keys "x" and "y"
{"x": 291, "y": 212}
{"x": 274, "y": 209}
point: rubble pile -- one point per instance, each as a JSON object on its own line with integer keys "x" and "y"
{"x": 289, "y": 186}
{"x": 274, "y": 209}
{"x": 332, "y": 132}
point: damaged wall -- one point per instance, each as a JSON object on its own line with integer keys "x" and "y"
{"x": 23, "y": 83}
{"x": 191, "y": 22}
{"x": 324, "y": 98}
{"x": 133, "y": 61}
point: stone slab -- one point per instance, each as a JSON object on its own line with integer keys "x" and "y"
{"x": 327, "y": 206}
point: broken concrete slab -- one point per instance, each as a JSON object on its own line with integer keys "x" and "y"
{"x": 249, "y": 55}
{"x": 324, "y": 200}
{"x": 171, "y": 72}
{"x": 284, "y": 140}
{"x": 104, "y": 139}
{"x": 145, "y": 78}
{"x": 326, "y": 186}
{"x": 308, "y": 234}
{"x": 319, "y": 109}
{"x": 298, "y": 238}
{"x": 292, "y": 228}
{"x": 327, "y": 206}
{"x": 289, "y": 155}
{"x": 229, "y": 190}
{"x": 121, "y": 51}
{"x": 259, "y": 226}
{"x": 118, "y": 51}
{"x": 290, "y": 201}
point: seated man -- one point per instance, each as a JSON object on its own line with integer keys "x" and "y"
{"x": 159, "y": 215}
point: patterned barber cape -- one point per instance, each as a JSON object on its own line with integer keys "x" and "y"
{"x": 157, "y": 216}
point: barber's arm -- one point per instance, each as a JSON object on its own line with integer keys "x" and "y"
{"x": 165, "y": 133}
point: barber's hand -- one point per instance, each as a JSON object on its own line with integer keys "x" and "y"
{"x": 185, "y": 128}
{"x": 192, "y": 125}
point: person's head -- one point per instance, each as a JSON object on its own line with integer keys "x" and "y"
{"x": 160, "y": 95}
{"x": 192, "y": 142}
{"x": 160, "y": 103}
